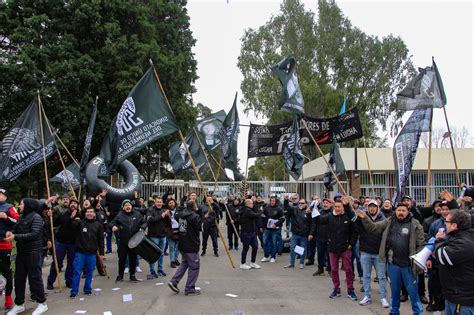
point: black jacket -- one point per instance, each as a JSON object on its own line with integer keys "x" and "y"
{"x": 66, "y": 233}
{"x": 300, "y": 220}
{"x": 29, "y": 228}
{"x": 190, "y": 224}
{"x": 457, "y": 267}
{"x": 156, "y": 223}
{"x": 258, "y": 207}
{"x": 427, "y": 222}
{"x": 369, "y": 242}
{"x": 320, "y": 231}
{"x": 275, "y": 213}
{"x": 341, "y": 231}
{"x": 234, "y": 214}
{"x": 214, "y": 214}
{"x": 128, "y": 224}
{"x": 249, "y": 220}
{"x": 89, "y": 236}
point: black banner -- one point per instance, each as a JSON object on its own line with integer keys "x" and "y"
{"x": 292, "y": 154}
{"x": 88, "y": 143}
{"x": 269, "y": 140}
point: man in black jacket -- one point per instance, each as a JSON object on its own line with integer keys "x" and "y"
{"x": 232, "y": 237}
{"x": 89, "y": 241}
{"x": 157, "y": 220}
{"x": 127, "y": 222}
{"x": 28, "y": 234}
{"x": 65, "y": 243}
{"x": 320, "y": 233}
{"x": 190, "y": 225}
{"x": 300, "y": 217}
{"x": 259, "y": 205}
{"x": 457, "y": 263}
{"x": 211, "y": 218}
{"x": 249, "y": 221}
{"x": 274, "y": 217}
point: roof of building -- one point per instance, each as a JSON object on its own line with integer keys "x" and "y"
{"x": 381, "y": 159}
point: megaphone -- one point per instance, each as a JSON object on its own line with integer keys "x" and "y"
{"x": 422, "y": 256}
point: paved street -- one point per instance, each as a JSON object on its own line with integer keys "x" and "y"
{"x": 270, "y": 290}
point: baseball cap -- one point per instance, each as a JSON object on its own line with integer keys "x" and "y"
{"x": 373, "y": 202}
{"x": 3, "y": 191}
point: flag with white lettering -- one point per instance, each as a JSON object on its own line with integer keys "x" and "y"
{"x": 71, "y": 175}
{"x": 337, "y": 165}
{"x": 292, "y": 153}
{"x": 179, "y": 158}
{"x": 291, "y": 99}
{"x": 229, "y": 134}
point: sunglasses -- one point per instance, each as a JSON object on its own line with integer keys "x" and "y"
{"x": 302, "y": 203}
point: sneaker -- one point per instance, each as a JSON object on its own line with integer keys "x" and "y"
{"x": 254, "y": 266}
{"x": 88, "y": 293}
{"x": 301, "y": 266}
{"x": 272, "y": 260}
{"x": 118, "y": 279}
{"x": 72, "y": 296}
{"x": 40, "y": 309}
{"x": 265, "y": 259}
{"x": 17, "y": 309}
{"x": 245, "y": 267}
{"x": 127, "y": 270}
{"x": 365, "y": 301}
{"x": 133, "y": 279}
{"x": 236, "y": 248}
{"x": 152, "y": 276}
{"x": 318, "y": 273}
{"x": 8, "y": 301}
{"x": 194, "y": 292}
{"x": 49, "y": 286}
{"x": 216, "y": 254}
{"x": 177, "y": 263}
{"x": 309, "y": 263}
{"x": 423, "y": 299}
{"x": 203, "y": 253}
{"x": 351, "y": 295}
{"x": 138, "y": 269}
{"x": 362, "y": 290}
{"x": 173, "y": 264}
{"x": 385, "y": 303}
{"x": 288, "y": 266}
{"x": 335, "y": 293}
{"x": 173, "y": 287}
{"x": 161, "y": 273}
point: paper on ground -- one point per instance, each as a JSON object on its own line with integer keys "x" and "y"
{"x": 97, "y": 290}
{"x": 81, "y": 312}
{"x": 299, "y": 250}
{"x": 115, "y": 289}
{"x": 127, "y": 297}
{"x": 207, "y": 282}
{"x": 159, "y": 283}
{"x": 107, "y": 313}
{"x": 231, "y": 295}
{"x": 81, "y": 299}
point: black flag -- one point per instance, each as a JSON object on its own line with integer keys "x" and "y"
{"x": 179, "y": 158}
{"x": 144, "y": 117}
{"x": 229, "y": 134}
{"x": 208, "y": 130}
{"x": 292, "y": 154}
{"x": 405, "y": 146}
{"x": 291, "y": 99}
{"x": 22, "y": 146}
{"x": 70, "y": 176}
{"x": 337, "y": 165}
{"x": 87, "y": 144}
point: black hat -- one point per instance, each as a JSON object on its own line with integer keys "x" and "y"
{"x": 406, "y": 197}
{"x": 3, "y": 191}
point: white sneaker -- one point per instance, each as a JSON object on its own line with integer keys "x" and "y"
{"x": 272, "y": 260}
{"x": 245, "y": 267}
{"x": 255, "y": 266}
{"x": 265, "y": 259}
{"x": 385, "y": 303}
{"x": 126, "y": 270}
{"x": 40, "y": 309}
{"x": 17, "y": 309}
{"x": 138, "y": 269}
{"x": 365, "y": 301}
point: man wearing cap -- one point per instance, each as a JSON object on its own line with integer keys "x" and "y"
{"x": 65, "y": 243}
{"x": 321, "y": 234}
{"x": 369, "y": 247}
{"x": 127, "y": 222}
{"x": 8, "y": 218}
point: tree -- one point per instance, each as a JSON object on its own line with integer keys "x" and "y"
{"x": 333, "y": 58}
{"x": 72, "y": 51}
{"x": 440, "y": 138}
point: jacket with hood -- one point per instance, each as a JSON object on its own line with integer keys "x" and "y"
{"x": 249, "y": 219}
{"x": 214, "y": 214}
{"x": 190, "y": 224}
{"x": 7, "y": 224}
{"x": 275, "y": 213}
{"x": 29, "y": 228}
{"x": 128, "y": 223}
{"x": 370, "y": 242}
{"x": 300, "y": 220}
{"x": 156, "y": 222}
{"x": 341, "y": 230}
{"x": 89, "y": 236}
{"x": 318, "y": 230}
{"x": 66, "y": 232}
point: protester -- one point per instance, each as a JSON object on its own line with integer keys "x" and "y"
{"x": 157, "y": 221}
{"x": 293, "y": 203}
{"x": 28, "y": 234}
{"x": 402, "y": 236}
{"x": 190, "y": 224}
{"x": 230, "y": 218}
{"x": 300, "y": 217}
{"x": 273, "y": 221}
{"x": 65, "y": 243}
{"x": 89, "y": 242}
{"x": 172, "y": 233}
{"x": 249, "y": 221}
{"x": 315, "y": 204}
{"x": 211, "y": 219}
{"x": 454, "y": 253}
{"x": 259, "y": 205}
{"x": 320, "y": 233}
{"x": 9, "y": 217}
{"x": 127, "y": 223}
{"x": 387, "y": 208}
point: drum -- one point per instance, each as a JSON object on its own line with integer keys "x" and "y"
{"x": 144, "y": 247}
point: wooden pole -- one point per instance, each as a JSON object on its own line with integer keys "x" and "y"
{"x": 324, "y": 158}
{"x": 198, "y": 177}
{"x": 368, "y": 165}
{"x": 458, "y": 177}
{"x": 40, "y": 107}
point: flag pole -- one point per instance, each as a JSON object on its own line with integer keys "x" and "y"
{"x": 198, "y": 177}
{"x": 368, "y": 165}
{"x": 458, "y": 178}
{"x": 324, "y": 157}
{"x": 49, "y": 196}
{"x": 428, "y": 180}
{"x": 215, "y": 181}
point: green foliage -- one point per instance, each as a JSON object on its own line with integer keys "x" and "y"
{"x": 268, "y": 168}
{"x": 72, "y": 51}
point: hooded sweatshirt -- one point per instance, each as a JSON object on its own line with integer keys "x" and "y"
{"x": 190, "y": 224}
{"x": 29, "y": 229}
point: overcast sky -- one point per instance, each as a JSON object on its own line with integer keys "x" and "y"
{"x": 443, "y": 29}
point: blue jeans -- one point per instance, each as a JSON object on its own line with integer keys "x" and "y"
{"x": 161, "y": 242}
{"x": 299, "y": 240}
{"x": 81, "y": 260}
{"x": 356, "y": 257}
{"x": 451, "y": 307}
{"x": 173, "y": 246}
{"x": 368, "y": 260}
{"x": 403, "y": 275}
{"x": 108, "y": 240}
{"x": 270, "y": 242}
{"x": 279, "y": 242}
{"x": 63, "y": 250}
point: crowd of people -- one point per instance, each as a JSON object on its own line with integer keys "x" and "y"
{"x": 363, "y": 233}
